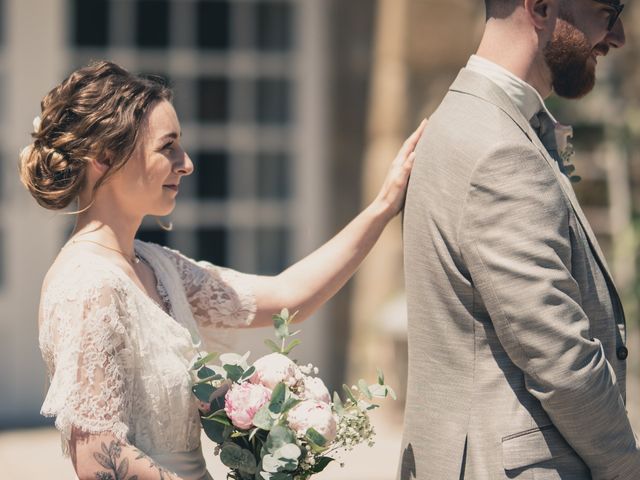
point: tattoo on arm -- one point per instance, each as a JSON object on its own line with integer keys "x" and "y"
{"x": 109, "y": 458}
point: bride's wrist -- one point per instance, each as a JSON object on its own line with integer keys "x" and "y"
{"x": 381, "y": 211}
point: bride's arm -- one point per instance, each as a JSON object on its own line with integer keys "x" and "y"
{"x": 104, "y": 457}
{"x": 309, "y": 283}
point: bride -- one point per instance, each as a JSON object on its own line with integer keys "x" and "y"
{"x": 120, "y": 320}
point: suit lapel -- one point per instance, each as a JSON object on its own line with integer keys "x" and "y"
{"x": 472, "y": 83}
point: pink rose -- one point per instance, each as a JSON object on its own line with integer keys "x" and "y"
{"x": 243, "y": 401}
{"x": 315, "y": 389}
{"x": 312, "y": 414}
{"x": 275, "y": 368}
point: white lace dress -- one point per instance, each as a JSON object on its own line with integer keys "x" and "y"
{"x": 117, "y": 362}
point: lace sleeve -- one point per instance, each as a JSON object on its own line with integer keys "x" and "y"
{"x": 87, "y": 349}
{"x": 219, "y": 297}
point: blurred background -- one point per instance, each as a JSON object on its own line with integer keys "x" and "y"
{"x": 292, "y": 111}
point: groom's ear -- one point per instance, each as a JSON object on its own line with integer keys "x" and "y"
{"x": 542, "y": 13}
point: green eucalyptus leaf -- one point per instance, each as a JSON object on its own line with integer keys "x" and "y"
{"x": 379, "y": 391}
{"x": 264, "y": 419}
{"x": 220, "y": 416}
{"x": 364, "y": 388}
{"x": 234, "y": 372}
{"x": 291, "y": 346}
{"x": 278, "y": 397}
{"x": 214, "y": 430}
{"x": 205, "y": 372}
{"x": 282, "y": 329}
{"x": 380, "y": 377}
{"x": 238, "y": 458}
{"x": 392, "y": 393}
{"x": 248, "y": 372}
{"x": 278, "y": 437}
{"x": 203, "y": 391}
{"x": 349, "y": 394}
{"x": 272, "y": 345}
{"x": 204, "y": 360}
{"x": 290, "y": 452}
{"x": 317, "y": 438}
{"x": 337, "y": 404}
{"x": 290, "y": 403}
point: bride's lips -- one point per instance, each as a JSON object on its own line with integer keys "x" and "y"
{"x": 171, "y": 187}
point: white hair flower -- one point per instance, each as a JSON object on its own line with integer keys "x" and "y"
{"x": 36, "y": 124}
{"x": 26, "y": 151}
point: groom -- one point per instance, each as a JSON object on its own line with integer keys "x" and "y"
{"x": 517, "y": 350}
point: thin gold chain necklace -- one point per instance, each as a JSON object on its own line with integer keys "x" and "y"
{"x": 133, "y": 260}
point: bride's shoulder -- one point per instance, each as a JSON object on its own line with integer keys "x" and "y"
{"x": 80, "y": 273}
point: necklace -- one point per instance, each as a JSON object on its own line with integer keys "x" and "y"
{"x": 133, "y": 260}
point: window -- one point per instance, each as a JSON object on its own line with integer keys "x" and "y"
{"x": 273, "y": 171}
{"x": 272, "y": 102}
{"x": 153, "y": 23}
{"x": 274, "y": 25}
{"x": 213, "y": 22}
{"x": 213, "y": 100}
{"x": 273, "y": 245}
{"x": 212, "y": 245}
{"x": 212, "y": 173}
{"x": 90, "y": 23}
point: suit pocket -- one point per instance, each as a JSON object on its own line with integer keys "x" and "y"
{"x": 533, "y": 446}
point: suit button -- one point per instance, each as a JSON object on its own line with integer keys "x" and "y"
{"x": 622, "y": 353}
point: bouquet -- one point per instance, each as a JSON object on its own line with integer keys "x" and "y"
{"x": 275, "y": 419}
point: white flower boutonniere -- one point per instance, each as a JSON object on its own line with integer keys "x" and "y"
{"x": 565, "y": 148}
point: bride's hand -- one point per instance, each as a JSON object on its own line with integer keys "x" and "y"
{"x": 394, "y": 189}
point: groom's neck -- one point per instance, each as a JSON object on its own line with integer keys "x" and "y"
{"x": 515, "y": 47}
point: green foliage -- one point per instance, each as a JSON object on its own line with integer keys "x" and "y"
{"x": 281, "y": 323}
{"x": 216, "y": 431}
{"x": 264, "y": 419}
{"x": 278, "y": 397}
{"x": 204, "y": 360}
{"x": 203, "y": 391}
{"x": 279, "y": 436}
{"x": 238, "y": 458}
{"x": 234, "y": 372}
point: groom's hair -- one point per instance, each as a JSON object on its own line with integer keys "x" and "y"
{"x": 500, "y": 8}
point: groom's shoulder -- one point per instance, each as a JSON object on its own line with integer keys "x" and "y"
{"x": 467, "y": 121}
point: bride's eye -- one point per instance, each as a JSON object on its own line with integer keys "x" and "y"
{"x": 167, "y": 146}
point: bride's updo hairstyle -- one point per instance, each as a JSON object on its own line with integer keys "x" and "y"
{"x": 96, "y": 113}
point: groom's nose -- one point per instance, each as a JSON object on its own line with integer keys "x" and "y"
{"x": 616, "y": 38}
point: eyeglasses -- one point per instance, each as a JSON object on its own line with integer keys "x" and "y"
{"x": 617, "y": 10}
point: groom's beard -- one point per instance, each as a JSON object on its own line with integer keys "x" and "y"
{"x": 569, "y": 57}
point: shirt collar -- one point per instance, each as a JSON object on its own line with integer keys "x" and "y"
{"x": 524, "y": 96}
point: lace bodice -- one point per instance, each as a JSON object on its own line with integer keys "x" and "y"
{"x": 118, "y": 362}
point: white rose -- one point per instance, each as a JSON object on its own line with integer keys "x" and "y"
{"x": 315, "y": 389}
{"x": 563, "y": 134}
{"x": 312, "y": 414}
{"x": 273, "y": 369}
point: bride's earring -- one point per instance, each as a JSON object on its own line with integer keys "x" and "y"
{"x": 166, "y": 227}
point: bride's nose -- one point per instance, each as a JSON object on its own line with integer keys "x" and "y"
{"x": 185, "y": 166}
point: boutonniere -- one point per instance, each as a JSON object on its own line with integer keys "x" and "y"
{"x": 565, "y": 148}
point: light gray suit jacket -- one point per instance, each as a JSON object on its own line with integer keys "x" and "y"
{"x": 516, "y": 332}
